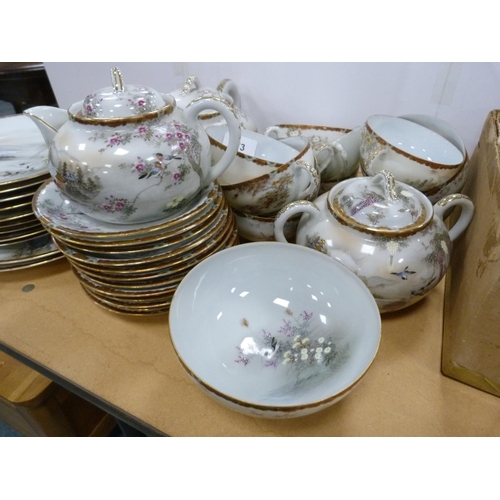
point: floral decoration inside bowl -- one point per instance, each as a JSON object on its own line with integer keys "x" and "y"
{"x": 273, "y": 329}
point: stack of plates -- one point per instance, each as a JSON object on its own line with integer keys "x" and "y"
{"x": 23, "y": 168}
{"x": 136, "y": 268}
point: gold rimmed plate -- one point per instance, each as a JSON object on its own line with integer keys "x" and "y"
{"x": 124, "y": 310}
{"x": 18, "y": 206}
{"x": 21, "y": 236}
{"x": 16, "y": 225}
{"x": 152, "y": 284}
{"x": 107, "y": 291}
{"x": 131, "y": 301}
{"x": 22, "y": 195}
{"x": 34, "y": 251}
{"x": 18, "y": 215}
{"x": 33, "y": 183}
{"x": 151, "y": 245}
{"x": 61, "y": 214}
{"x": 20, "y": 229}
{"x": 166, "y": 265}
{"x": 159, "y": 276}
{"x": 23, "y": 152}
{"x": 165, "y": 255}
{"x": 32, "y": 263}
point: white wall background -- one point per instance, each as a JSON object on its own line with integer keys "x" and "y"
{"x": 332, "y": 94}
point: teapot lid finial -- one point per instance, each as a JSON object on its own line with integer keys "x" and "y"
{"x": 121, "y": 101}
{"x": 380, "y": 205}
{"x": 117, "y": 79}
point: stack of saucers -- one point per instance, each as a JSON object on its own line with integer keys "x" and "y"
{"x": 136, "y": 268}
{"x": 23, "y": 168}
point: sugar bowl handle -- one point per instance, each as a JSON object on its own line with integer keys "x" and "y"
{"x": 452, "y": 200}
{"x": 290, "y": 210}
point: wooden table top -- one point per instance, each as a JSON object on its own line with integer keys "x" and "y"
{"x": 127, "y": 366}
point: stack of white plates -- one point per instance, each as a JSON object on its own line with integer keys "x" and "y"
{"x": 23, "y": 168}
{"x": 136, "y": 268}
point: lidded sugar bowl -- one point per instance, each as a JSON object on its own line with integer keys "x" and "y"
{"x": 386, "y": 232}
{"x": 129, "y": 154}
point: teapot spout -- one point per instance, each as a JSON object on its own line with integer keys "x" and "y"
{"x": 48, "y": 119}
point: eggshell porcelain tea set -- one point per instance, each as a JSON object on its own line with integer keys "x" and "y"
{"x": 147, "y": 194}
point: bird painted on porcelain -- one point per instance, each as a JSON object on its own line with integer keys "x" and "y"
{"x": 404, "y": 274}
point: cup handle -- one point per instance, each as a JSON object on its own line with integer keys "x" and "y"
{"x": 466, "y": 214}
{"x": 290, "y": 210}
{"x": 314, "y": 181}
{"x": 228, "y": 87}
{"x": 324, "y": 155}
{"x": 273, "y": 132}
{"x": 194, "y": 108}
{"x": 340, "y": 151}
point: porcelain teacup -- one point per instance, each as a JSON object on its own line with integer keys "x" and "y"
{"x": 456, "y": 183}
{"x": 260, "y": 228}
{"x": 274, "y": 174}
{"x": 342, "y": 144}
{"x": 413, "y": 153}
{"x": 257, "y": 155}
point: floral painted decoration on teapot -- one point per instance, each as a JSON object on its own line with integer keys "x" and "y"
{"x": 121, "y": 100}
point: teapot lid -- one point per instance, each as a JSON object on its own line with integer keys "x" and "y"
{"x": 121, "y": 101}
{"x": 380, "y": 205}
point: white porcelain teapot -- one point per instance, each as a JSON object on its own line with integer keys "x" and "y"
{"x": 129, "y": 154}
{"x": 385, "y": 231}
{"x": 227, "y": 90}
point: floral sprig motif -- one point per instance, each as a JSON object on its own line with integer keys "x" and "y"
{"x": 316, "y": 242}
{"x": 439, "y": 256}
{"x": 182, "y": 139}
{"x": 294, "y": 344}
{"x": 118, "y": 205}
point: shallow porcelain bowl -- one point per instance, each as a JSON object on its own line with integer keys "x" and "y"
{"x": 274, "y": 330}
{"x": 415, "y": 154}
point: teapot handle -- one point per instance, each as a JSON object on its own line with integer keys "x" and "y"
{"x": 228, "y": 87}
{"x": 466, "y": 214}
{"x": 290, "y": 210}
{"x": 194, "y": 108}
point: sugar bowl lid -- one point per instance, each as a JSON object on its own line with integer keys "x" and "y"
{"x": 380, "y": 205}
{"x": 121, "y": 101}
